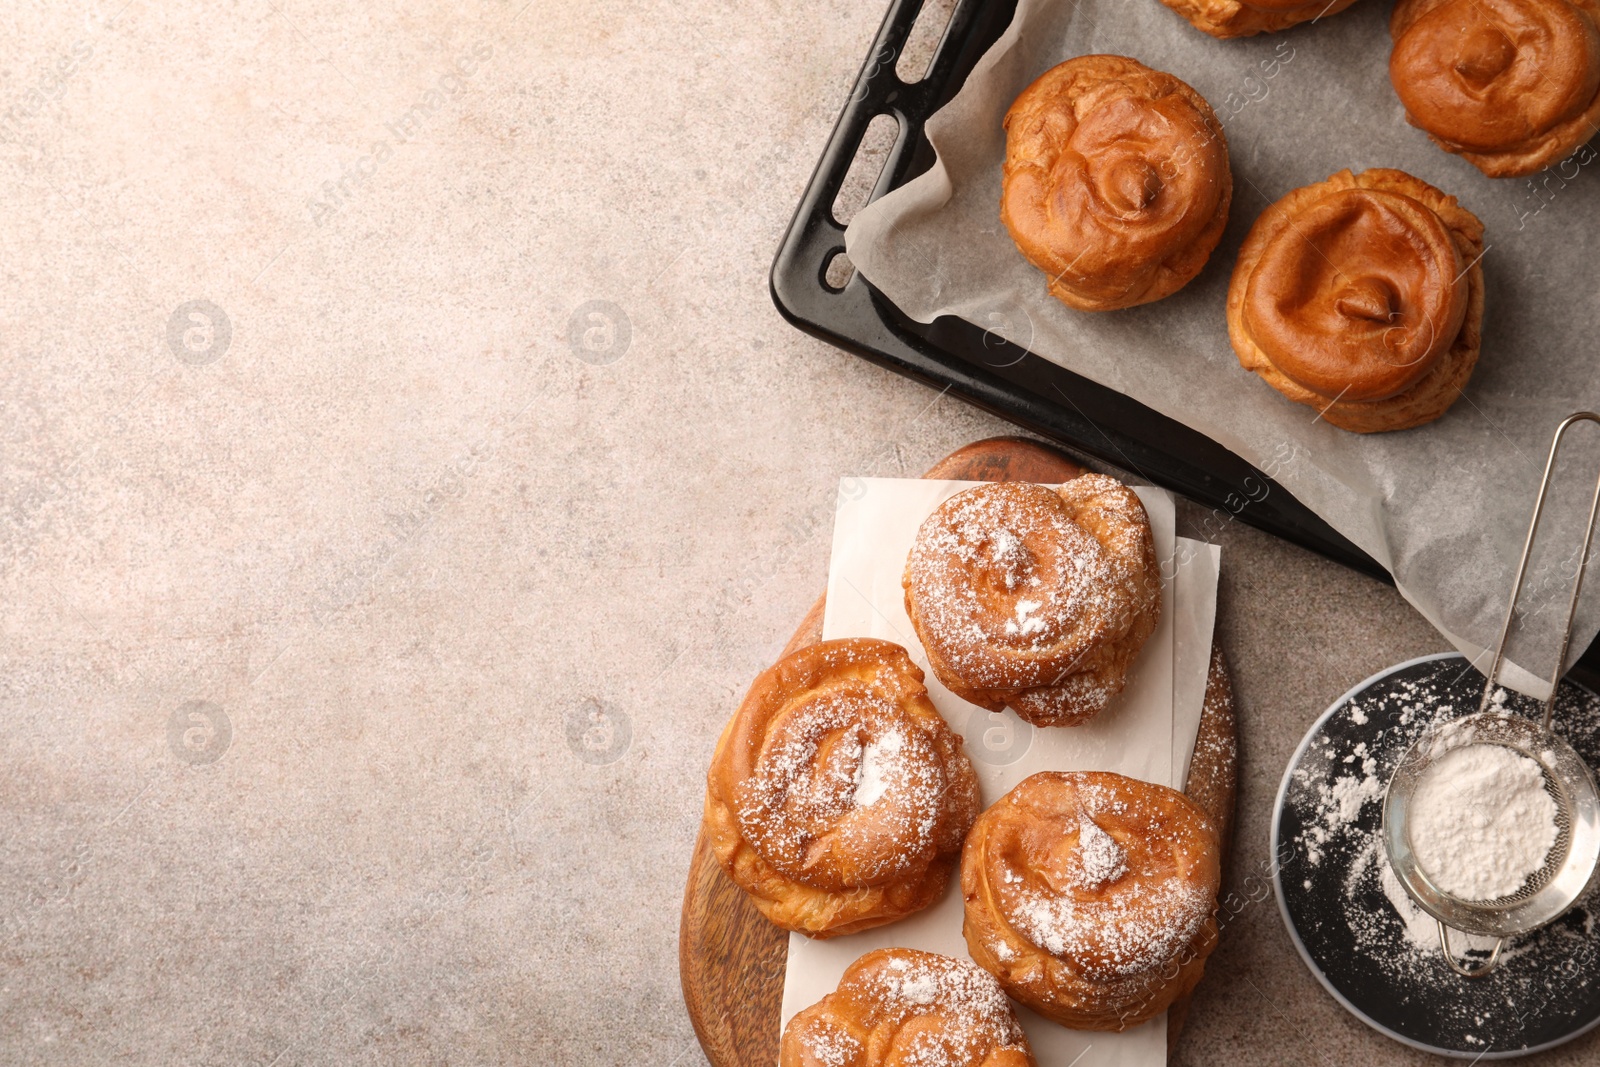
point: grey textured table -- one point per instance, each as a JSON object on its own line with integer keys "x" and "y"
{"x": 390, "y": 405}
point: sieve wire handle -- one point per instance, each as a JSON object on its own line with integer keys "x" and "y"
{"x": 1522, "y": 570}
{"x": 1468, "y": 972}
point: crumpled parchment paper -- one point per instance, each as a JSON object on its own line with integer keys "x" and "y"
{"x": 1444, "y": 507}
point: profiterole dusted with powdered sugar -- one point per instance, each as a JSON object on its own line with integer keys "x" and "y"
{"x": 900, "y": 1007}
{"x": 837, "y": 797}
{"x": 1091, "y": 896}
{"x": 1036, "y": 598}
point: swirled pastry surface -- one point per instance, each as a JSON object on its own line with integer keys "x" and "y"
{"x": 1361, "y": 296}
{"x": 1242, "y": 18}
{"x": 1033, "y": 597}
{"x": 899, "y": 1007}
{"x": 837, "y": 796}
{"x": 1116, "y": 181}
{"x": 1090, "y": 896}
{"x": 1510, "y": 85}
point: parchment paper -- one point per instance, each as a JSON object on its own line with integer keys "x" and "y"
{"x": 1149, "y": 733}
{"x": 1444, "y": 507}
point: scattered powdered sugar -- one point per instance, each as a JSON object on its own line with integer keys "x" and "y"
{"x": 1101, "y": 859}
{"x": 1355, "y": 919}
{"x": 991, "y": 568}
{"x": 1481, "y": 821}
{"x": 1419, "y": 929}
{"x": 1126, "y": 925}
{"x": 957, "y": 987}
{"x": 878, "y": 767}
{"x": 1135, "y": 930}
{"x": 1342, "y": 804}
{"x": 832, "y": 1046}
{"x": 1340, "y": 785}
{"x": 843, "y": 772}
{"x": 1349, "y": 794}
{"x": 919, "y": 989}
{"x": 1025, "y": 623}
{"x": 1009, "y": 556}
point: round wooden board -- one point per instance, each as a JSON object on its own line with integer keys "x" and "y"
{"x": 731, "y": 959}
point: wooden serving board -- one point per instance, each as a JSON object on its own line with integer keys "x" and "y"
{"x": 731, "y": 959}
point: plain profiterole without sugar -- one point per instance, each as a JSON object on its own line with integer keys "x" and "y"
{"x": 1244, "y": 18}
{"x": 1116, "y": 182}
{"x": 1362, "y": 296}
{"x": 1511, "y": 86}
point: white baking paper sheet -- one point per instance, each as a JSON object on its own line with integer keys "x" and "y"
{"x": 1148, "y": 733}
{"x": 1444, "y": 507}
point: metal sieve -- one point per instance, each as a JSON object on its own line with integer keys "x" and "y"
{"x": 1570, "y": 865}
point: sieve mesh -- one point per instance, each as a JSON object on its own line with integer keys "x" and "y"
{"x": 1567, "y": 868}
{"x": 1558, "y": 851}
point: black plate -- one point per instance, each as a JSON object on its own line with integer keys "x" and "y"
{"x": 1349, "y": 929}
{"x": 980, "y": 365}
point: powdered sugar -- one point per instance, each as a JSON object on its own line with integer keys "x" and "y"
{"x": 1365, "y": 934}
{"x": 832, "y": 1046}
{"x": 1109, "y": 923}
{"x": 878, "y": 767}
{"x": 844, "y": 774}
{"x": 1132, "y": 932}
{"x": 1002, "y": 565}
{"x": 1481, "y": 821}
{"x": 1101, "y": 859}
{"x": 919, "y": 989}
{"x": 1420, "y": 930}
{"x": 1009, "y": 556}
{"x": 1025, "y": 622}
{"x": 1347, "y": 784}
{"x": 1342, "y": 804}
{"x": 1349, "y": 794}
{"x": 957, "y": 1008}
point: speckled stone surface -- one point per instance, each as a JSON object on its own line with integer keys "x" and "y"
{"x": 402, "y": 473}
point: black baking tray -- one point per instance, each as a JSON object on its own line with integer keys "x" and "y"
{"x": 979, "y": 365}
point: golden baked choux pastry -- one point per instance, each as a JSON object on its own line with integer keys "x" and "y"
{"x": 1362, "y": 297}
{"x": 1035, "y": 598}
{"x": 898, "y": 1007}
{"x": 1116, "y": 181}
{"x": 837, "y": 797}
{"x": 1511, "y": 86}
{"x": 1091, "y": 896}
{"x": 1242, "y": 18}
